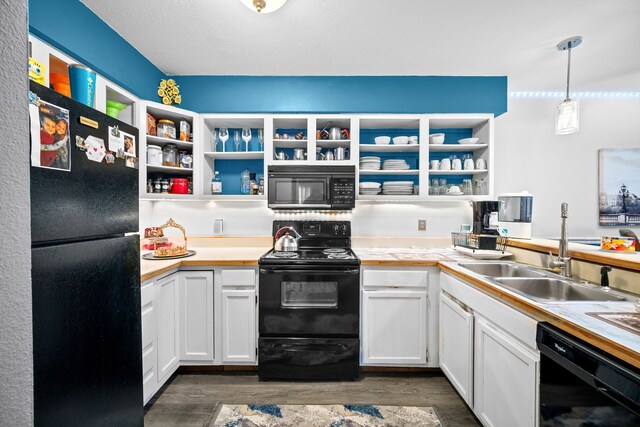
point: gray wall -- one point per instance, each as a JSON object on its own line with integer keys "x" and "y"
{"x": 556, "y": 169}
{"x": 16, "y": 375}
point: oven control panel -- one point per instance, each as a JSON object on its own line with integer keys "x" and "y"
{"x": 317, "y": 229}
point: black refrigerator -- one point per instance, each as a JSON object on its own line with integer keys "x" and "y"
{"x": 85, "y": 274}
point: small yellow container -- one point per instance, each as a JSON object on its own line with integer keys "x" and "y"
{"x": 618, "y": 244}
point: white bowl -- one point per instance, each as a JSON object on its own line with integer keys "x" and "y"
{"x": 468, "y": 140}
{"x": 436, "y": 138}
{"x": 401, "y": 140}
{"x": 370, "y": 185}
{"x": 382, "y": 140}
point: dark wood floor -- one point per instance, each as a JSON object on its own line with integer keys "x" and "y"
{"x": 193, "y": 399}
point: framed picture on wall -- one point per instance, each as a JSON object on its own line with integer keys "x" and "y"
{"x": 619, "y": 186}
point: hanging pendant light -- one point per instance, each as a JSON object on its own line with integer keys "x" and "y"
{"x": 567, "y": 118}
{"x": 264, "y": 6}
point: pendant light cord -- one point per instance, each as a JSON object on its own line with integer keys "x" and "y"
{"x": 568, "y": 72}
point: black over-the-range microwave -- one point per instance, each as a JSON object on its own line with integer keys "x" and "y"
{"x": 312, "y": 187}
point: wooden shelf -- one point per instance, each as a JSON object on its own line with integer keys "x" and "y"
{"x": 160, "y": 140}
{"x": 170, "y": 170}
{"x": 290, "y": 143}
{"x": 458, "y": 172}
{"x": 381, "y": 148}
{"x": 234, "y": 155}
{"x": 390, "y": 172}
{"x": 333, "y": 143}
{"x": 388, "y": 197}
{"x": 157, "y": 196}
{"x": 439, "y": 148}
{"x": 169, "y": 112}
{"x": 235, "y": 197}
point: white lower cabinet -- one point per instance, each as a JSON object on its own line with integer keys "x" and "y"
{"x": 167, "y": 315}
{"x": 196, "y": 316}
{"x": 506, "y": 379}
{"x": 394, "y": 318}
{"x": 149, "y": 343}
{"x": 456, "y": 346}
{"x": 488, "y": 352}
{"x": 239, "y": 326}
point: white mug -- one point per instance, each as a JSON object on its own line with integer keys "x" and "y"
{"x": 434, "y": 164}
{"x": 445, "y": 165}
{"x": 481, "y": 164}
{"x": 468, "y": 165}
{"x": 456, "y": 164}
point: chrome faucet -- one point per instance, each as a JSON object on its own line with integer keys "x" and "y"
{"x": 563, "y": 261}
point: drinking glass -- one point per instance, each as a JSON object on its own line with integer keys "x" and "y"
{"x": 236, "y": 140}
{"x": 214, "y": 140}
{"x": 246, "y": 137}
{"x": 467, "y": 188}
{"x": 223, "y": 134}
{"x": 261, "y": 139}
{"x": 435, "y": 186}
{"x": 443, "y": 186}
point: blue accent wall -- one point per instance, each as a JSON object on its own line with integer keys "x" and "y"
{"x": 75, "y": 30}
{"x": 344, "y": 94}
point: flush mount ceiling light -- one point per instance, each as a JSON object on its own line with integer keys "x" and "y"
{"x": 567, "y": 118}
{"x": 264, "y": 6}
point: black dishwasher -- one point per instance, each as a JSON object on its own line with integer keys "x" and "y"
{"x": 581, "y": 385}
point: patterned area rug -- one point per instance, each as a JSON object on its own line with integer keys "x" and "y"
{"x": 325, "y": 416}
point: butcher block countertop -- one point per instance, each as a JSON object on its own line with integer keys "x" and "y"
{"x": 629, "y": 261}
{"x": 414, "y": 252}
{"x": 571, "y": 317}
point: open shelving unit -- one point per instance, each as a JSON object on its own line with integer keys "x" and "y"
{"x": 392, "y": 126}
{"x": 153, "y": 172}
{"x": 228, "y": 161}
{"x": 456, "y": 127}
{"x": 362, "y": 130}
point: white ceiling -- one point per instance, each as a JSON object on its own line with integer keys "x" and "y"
{"x": 516, "y": 38}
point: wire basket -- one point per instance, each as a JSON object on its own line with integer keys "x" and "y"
{"x": 479, "y": 241}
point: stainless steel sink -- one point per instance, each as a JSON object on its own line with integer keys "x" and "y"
{"x": 539, "y": 284}
{"x": 549, "y": 289}
{"x": 502, "y": 269}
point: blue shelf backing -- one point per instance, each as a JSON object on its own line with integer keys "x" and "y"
{"x": 230, "y": 171}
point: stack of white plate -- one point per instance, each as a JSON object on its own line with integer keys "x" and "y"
{"x": 397, "y": 188}
{"x": 395, "y": 165}
{"x": 370, "y": 163}
{"x": 370, "y": 188}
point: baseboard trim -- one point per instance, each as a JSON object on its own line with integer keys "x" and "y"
{"x": 244, "y": 368}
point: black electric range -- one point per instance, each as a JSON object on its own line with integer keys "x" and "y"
{"x": 309, "y": 305}
{"x": 328, "y": 256}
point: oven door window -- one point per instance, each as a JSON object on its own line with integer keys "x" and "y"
{"x": 299, "y": 191}
{"x": 309, "y": 294}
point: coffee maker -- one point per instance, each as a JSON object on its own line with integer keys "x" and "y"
{"x": 485, "y": 217}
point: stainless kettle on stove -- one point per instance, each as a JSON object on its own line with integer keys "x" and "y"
{"x": 287, "y": 242}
